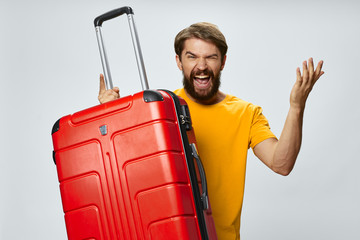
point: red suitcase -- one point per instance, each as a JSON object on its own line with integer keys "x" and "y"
{"x": 128, "y": 169}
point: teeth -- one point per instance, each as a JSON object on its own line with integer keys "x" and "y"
{"x": 202, "y": 77}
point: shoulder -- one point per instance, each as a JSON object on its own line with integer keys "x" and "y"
{"x": 241, "y": 108}
{"x": 179, "y": 91}
{"x": 238, "y": 103}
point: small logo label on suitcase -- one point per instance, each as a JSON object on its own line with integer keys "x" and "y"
{"x": 103, "y": 130}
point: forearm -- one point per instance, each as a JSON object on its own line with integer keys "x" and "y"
{"x": 280, "y": 155}
{"x": 288, "y": 146}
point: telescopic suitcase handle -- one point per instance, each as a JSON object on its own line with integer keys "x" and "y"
{"x": 135, "y": 39}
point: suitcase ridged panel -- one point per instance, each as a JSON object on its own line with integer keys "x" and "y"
{"x": 182, "y": 227}
{"x": 106, "y": 109}
{"x": 173, "y": 200}
{"x": 153, "y": 138}
{"x": 147, "y": 178}
{"x": 82, "y": 185}
{"x": 88, "y": 219}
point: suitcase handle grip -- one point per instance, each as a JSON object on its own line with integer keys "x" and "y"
{"x": 204, "y": 194}
{"x": 135, "y": 39}
{"x": 112, "y": 14}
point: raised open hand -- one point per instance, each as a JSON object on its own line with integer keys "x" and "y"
{"x": 304, "y": 83}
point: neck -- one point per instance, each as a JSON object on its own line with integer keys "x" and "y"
{"x": 218, "y": 97}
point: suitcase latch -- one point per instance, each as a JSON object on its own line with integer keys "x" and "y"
{"x": 185, "y": 117}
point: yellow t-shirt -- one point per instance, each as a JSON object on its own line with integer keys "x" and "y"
{"x": 224, "y": 132}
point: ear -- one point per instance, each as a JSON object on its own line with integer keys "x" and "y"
{"x": 178, "y": 62}
{"x": 223, "y": 63}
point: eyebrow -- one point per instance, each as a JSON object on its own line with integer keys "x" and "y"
{"x": 188, "y": 52}
{"x": 212, "y": 55}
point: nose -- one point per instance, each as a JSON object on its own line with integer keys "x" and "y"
{"x": 201, "y": 64}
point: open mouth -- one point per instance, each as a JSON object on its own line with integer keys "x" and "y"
{"x": 202, "y": 81}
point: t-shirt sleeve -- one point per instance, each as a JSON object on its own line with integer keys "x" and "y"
{"x": 260, "y": 129}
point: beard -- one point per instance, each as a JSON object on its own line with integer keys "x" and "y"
{"x": 190, "y": 88}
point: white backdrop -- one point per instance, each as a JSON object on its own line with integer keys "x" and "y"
{"x": 49, "y": 65}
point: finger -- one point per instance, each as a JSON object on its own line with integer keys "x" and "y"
{"x": 116, "y": 89}
{"x": 115, "y": 94}
{"x": 311, "y": 67}
{"x": 112, "y": 92}
{"x": 298, "y": 76}
{"x": 305, "y": 72}
{"x": 318, "y": 71}
{"x": 102, "y": 88}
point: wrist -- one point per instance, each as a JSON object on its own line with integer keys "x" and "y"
{"x": 297, "y": 109}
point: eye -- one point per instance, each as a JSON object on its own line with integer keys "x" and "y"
{"x": 213, "y": 57}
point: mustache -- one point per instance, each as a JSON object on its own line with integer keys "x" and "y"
{"x": 204, "y": 72}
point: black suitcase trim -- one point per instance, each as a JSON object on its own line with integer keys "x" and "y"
{"x": 152, "y": 96}
{"x": 56, "y": 127}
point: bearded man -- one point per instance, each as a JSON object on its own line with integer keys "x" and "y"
{"x": 226, "y": 126}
